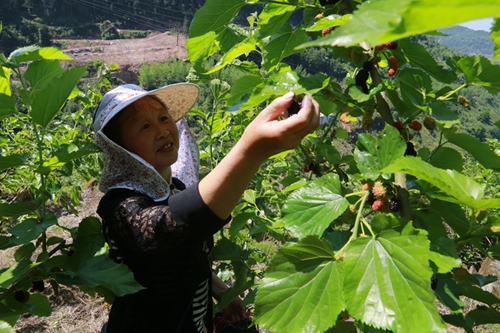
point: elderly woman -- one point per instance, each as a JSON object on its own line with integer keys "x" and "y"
{"x": 161, "y": 229}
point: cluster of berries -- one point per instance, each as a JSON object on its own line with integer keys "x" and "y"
{"x": 23, "y": 296}
{"x": 314, "y": 167}
{"x": 379, "y": 199}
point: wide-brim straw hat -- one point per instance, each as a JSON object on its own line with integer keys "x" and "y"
{"x": 177, "y": 98}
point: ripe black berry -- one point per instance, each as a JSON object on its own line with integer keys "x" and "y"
{"x": 295, "y": 107}
{"x": 394, "y": 205}
{"x": 410, "y": 149}
{"x": 37, "y": 286}
{"x": 434, "y": 282}
{"x": 22, "y": 296}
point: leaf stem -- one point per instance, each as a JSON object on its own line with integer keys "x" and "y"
{"x": 451, "y": 93}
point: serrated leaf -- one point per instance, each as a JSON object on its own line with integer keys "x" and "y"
{"x": 7, "y": 105}
{"x": 101, "y": 270}
{"x": 381, "y": 21}
{"x": 444, "y": 255}
{"x": 463, "y": 189}
{"x": 233, "y": 53}
{"x": 243, "y": 86}
{"x": 495, "y": 35}
{"x": 387, "y": 283}
{"x": 31, "y": 229}
{"x": 418, "y": 56}
{"x": 30, "y": 53}
{"x": 15, "y": 209}
{"x": 12, "y": 161}
{"x": 479, "y": 150}
{"x": 447, "y": 158}
{"x": 373, "y": 154}
{"x": 273, "y": 17}
{"x": 449, "y": 292}
{"x": 89, "y": 240}
{"x": 282, "y": 44}
{"x": 312, "y": 208}
{"x": 484, "y": 315}
{"x": 52, "y": 97}
{"x": 301, "y": 290}
{"x": 479, "y": 71}
{"x": 40, "y": 73}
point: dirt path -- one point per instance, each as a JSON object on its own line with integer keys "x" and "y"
{"x": 129, "y": 53}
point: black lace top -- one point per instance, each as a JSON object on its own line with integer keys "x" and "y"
{"x": 165, "y": 244}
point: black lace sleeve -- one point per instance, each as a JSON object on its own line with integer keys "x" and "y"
{"x": 133, "y": 222}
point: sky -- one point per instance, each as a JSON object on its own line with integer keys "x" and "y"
{"x": 482, "y": 24}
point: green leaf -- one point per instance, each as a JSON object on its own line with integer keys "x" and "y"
{"x": 13, "y": 273}
{"x": 381, "y": 21}
{"x": 282, "y": 44}
{"x": 31, "y": 229}
{"x": 453, "y": 215}
{"x": 301, "y": 290}
{"x": 68, "y": 153}
{"x": 479, "y": 71}
{"x": 311, "y": 209}
{"x": 7, "y": 105}
{"x": 15, "y": 209}
{"x": 444, "y": 254}
{"x": 479, "y": 150}
{"x": 495, "y": 35}
{"x": 52, "y": 97}
{"x": 12, "y": 161}
{"x": 25, "y": 252}
{"x": 40, "y": 73}
{"x": 101, "y": 270}
{"x": 6, "y": 328}
{"x": 235, "y": 52}
{"x": 273, "y": 17}
{"x": 418, "y": 56}
{"x": 447, "y": 158}
{"x": 31, "y": 53}
{"x": 327, "y": 22}
{"x": 89, "y": 240}
{"x": 373, "y": 154}
{"x": 414, "y": 85}
{"x": 443, "y": 115}
{"x": 4, "y": 77}
{"x": 209, "y": 26}
{"x": 484, "y": 315}
{"x": 448, "y": 292}
{"x": 387, "y": 283}
{"x": 463, "y": 189}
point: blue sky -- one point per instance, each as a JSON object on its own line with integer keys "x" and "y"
{"x": 482, "y": 24}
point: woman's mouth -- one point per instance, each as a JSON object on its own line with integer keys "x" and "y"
{"x": 167, "y": 146}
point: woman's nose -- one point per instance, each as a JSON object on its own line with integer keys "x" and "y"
{"x": 161, "y": 131}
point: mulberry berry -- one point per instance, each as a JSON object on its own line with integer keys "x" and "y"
{"x": 378, "y": 190}
{"x": 410, "y": 149}
{"x": 415, "y": 125}
{"x": 379, "y": 205}
{"x": 398, "y": 125}
{"x": 394, "y": 205}
{"x": 294, "y": 107}
{"x": 429, "y": 123}
{"x": 22, "y": 296}
{"x": 326, "y": 30}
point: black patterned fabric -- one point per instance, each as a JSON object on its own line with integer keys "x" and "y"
{"x": 165, "y": 245}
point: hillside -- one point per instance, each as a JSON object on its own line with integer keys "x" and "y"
{"x": 467, "y": 41}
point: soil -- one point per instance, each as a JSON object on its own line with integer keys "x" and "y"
{"x": 129, "y": 54}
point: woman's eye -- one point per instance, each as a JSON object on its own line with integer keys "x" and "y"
{"x": 145, "y": 126}
{"x": 164, "y": 118}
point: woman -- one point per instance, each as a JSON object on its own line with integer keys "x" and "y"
{"x": 158, "y": 227}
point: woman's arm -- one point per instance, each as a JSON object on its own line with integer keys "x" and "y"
{"x": 265, "y": 136}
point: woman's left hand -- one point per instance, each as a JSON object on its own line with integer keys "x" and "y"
{"x": 235, "y": 311}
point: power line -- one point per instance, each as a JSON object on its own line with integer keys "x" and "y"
{"x": 155, "y": 6}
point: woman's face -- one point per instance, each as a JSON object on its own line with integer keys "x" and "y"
{"x": 147, "y": 130}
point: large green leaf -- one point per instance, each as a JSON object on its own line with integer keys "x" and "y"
{"x": 495, "y": 35}
{"x": 418, "y": 56}
{"x": 447, "y": 158}
{"x": 387, "y": 282}
{"x": 30, "y": 53}
{"x": 12, "y": 161}
{"x": 479, "y": 150}
{"x": 243, "y": 86}
{"x": 16, "y": 208}
{"x": 68, "y": 153}
{"x": 478, "y": 70}
{"x": 463, "y": 189}
{"x": 484, "y": 315}
{"x": 381, "y": 21}
{"x": 14, "y": 272}
{"x": 312, "y": 208}
{"x": 4, "y": 77}
{"x": 40, "y": 73}
{"x": 235, "y": 52}
{"x": 7, "y": 105}
{"x": 301, "y": 290}
{"x": 208, "y": 27}
{"x": 89, "y": 240}
{"x": 374, "y": 154}
{"x": 273, "y": 17}
{"x": 453, "y": 215}
{"x": 414, "y": 85}
{"x": 31, "y": 229}
{"x": 102, "y": 271}
{"x": 52, "y": 97}
{"x": 282, "y": 44}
